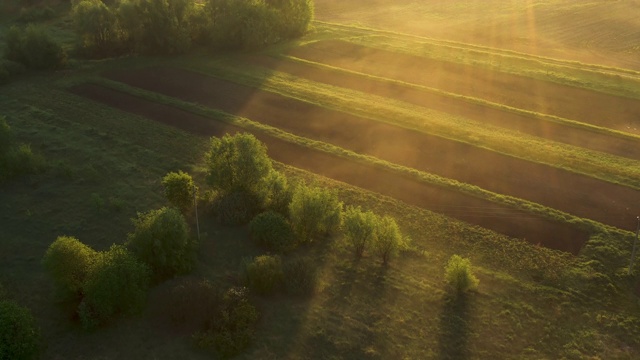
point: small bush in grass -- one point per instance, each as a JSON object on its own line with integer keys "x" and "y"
{"x": 360, "y": 228}
{"x": 19, "y": 335}
{"x": 161, "y": 240}
{"x": 263, "y": 274}
{"x": 180, "y": 190}
{"x": 236, "y": 208}
{"x": 235, "y": 328}
{"x": 314, "y": 212}
{"x": 68, "y": 261}
{"x": 301, "y": 277}
{"x": 116, "y": 284}
{"x": 388, "y": 239}
{"x": 459, "y": 276}
{"x": 271, "y": 230}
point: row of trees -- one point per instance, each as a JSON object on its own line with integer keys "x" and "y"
{"x": 174, "y": 26}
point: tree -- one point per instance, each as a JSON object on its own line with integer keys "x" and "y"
{"x": 239, "y": 163}
{"x": 161, "y": 240}
{"x": 459, "y": 276}
{"x": 388, "y": 239}
{"x": 360, "y": 228}
{"x": 97, "y": 26}
{"x": 19, "y": 336}
{"x": 68, "y": 261}
{"x": 263, "y": 274}
{"x": 314, "y": 212}
{"x": 180, "y": 190}
{"x": 35, "y": 48}
{"x": 271, "y": 230}
{"x": 116, "y": 284}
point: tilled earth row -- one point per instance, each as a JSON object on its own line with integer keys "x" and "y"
{"x": 464, "y": 207}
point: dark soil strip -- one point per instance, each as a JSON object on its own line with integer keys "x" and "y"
{"x": 517, "y": 91}
{"x": 545, "y": 129}
{"x": 572, "y": 193}
{"x": 467, "y": 208}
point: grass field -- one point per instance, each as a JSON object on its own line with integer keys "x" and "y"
{"x": 507, "y": 139}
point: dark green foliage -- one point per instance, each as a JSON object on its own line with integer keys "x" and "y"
{"x": 301, "y": 276}
{"x": 360, "y": 228}
{"x": 15, "y": 159}
{"x": 19, "y": 335}
{"x": 236, "y": 208}
{"x": 10, "y": 69}
{"x": 459, "y": 276}
{"x": 35, "y": 14}
{"x": 97, "y": 27}
{"x": 314, "y": 212}
{"x": 161, "y": 240}
{"x": 194, "y": 303}
{"x": 68, "y": 261}
{"x": 34, "y": 48}
{"x": 279, "y": 193}
{"x": 180, "y": 190}
{"x": 238, "y": 163}
{"x": 116, "y": 284}
{"x": 388, "y": 239}
{"x": 235, "y": 327}
{"x": 271, "y": 230}
{"x": 263, "y": 274}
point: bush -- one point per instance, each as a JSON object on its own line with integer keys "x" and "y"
{"x": 34, "y": 48}
{"x": 235, "y": 328}
{"x": 314, "y": 212}
{"x": 194, "y": 303}
{"x": 236, "y": 208}
{"x": 161, "y": 240}
{"x": 68, "y": 261}
{"x": 272, "y": 231}
{"x": 360, "y": 228}
{"x": 180, "y": 190}
{"x": 264, "y": 274}
{"x": 459, "y": 276}
{"x": 300, "y": 276}
{"x": 388, "y": 239}
{"x": 19, "y": 336}
{"x": 97, "y": 27}
{"x": 116, "y": 284}
{"x": 278, "y": 193}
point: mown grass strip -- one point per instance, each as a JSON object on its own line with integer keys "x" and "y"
{"x": 614, "y": 81}
{"x": 451, "y": 184}
{"x": 591, "y": 163}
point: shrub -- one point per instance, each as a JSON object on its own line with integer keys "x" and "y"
{"x": 459, "y": 276}
{"x": 19, "y": 336}
{"x": 161, "y": 240}
{"x": 35, "y": 48}
{"x": 272, "y": 231}
{"x": 278, "y": 193}
{"x": 194, "y": 303}
{"x": 238, "y": 163}
{"x": 116, "y": 284}
{"x": 314, "y": 212}
{"x": 68, "y": 261}
{"x": 264, "y": 274}
{"x": 300, "y": 276}
{"x": 179, "y": 189}
{"x": 388, "y": 239}
{"x": 360, "y": 228}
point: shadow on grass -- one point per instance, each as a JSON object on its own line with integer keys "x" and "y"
{"x": 454, "y": 327}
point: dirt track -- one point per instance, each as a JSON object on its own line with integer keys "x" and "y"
{"x": 544, "y": 129}
{"x": 517, "y": 91}
{"x": 576, "y": 194}
{"x": 475, "y": 211}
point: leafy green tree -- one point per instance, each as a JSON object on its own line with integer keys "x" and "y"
{"x": 116, "y": 284}
{"x": 35, "y": 48}
{"x": 68, "y": 261}
{"x": 388, "y": 239}
{"x": 314, "y": 212}
{"x": 360, "y": 228}
{"x": 271, "y": 230}
{"x": 459, "y": 275}
{"x": 97, "y": 26}
{"x": 278, "y": 192}
{"x": 19, "y": 335}
{"x": 161, "y": 240}
{"x": 238, "y": 163}
{"x": 180, "y": 190}
{"x": 263, "y": 274}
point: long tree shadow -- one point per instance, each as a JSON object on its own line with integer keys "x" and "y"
{"x": 454, "y": 327}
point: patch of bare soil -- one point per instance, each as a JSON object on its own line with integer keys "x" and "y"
{"x": 573, "y": 193}
{"x": 580, "y": 137}
{"x": 467, "y": 208}
{"x": 573, "y": 103}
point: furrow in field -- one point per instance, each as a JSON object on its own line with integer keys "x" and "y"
{"x": 568, "y": 102}
{"x": 581, "y": 137}
{"x": 576, "y": 194}
{"x": 476, "y": 211}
